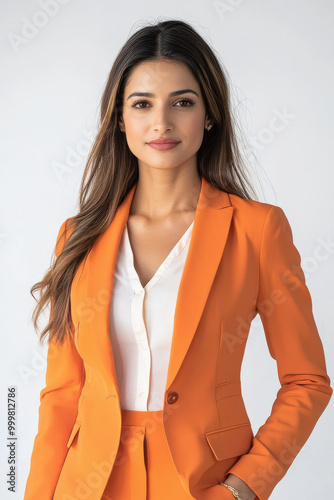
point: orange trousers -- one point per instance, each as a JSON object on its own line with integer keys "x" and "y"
{"x": 143, "y": 468}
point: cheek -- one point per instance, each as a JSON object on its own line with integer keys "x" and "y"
{"x": 134, "y": 126}
{"x": 194, "y": 125}
{"x": 195, "y": 132}
{"x": 135, "y": 132}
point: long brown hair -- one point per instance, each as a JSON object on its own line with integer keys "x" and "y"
{"x": 112, "y": 169}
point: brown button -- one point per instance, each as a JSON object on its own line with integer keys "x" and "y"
{"x": 172, "y": 397}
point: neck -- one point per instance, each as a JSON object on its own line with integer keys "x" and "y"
{"x": 158, "y": 197}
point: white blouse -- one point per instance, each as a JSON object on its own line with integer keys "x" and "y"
{"x": 142, "y": 324}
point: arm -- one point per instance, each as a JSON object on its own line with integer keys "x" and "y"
{"x": 293, "y": 341}
{"x": 57, "y": 414}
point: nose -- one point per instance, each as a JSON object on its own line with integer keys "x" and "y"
{"x": 162, "y": 119}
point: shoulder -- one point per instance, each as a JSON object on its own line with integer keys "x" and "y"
{"x": 253, "y": 209}
{"x": 64, "y": 232}
{"x": 257, "y": 216}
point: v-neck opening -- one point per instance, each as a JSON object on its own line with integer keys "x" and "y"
{"x": 133, "y": 275}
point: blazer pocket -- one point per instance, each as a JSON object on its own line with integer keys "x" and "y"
{"x": 75, "y": 429}
{"x": 230, "y": 442}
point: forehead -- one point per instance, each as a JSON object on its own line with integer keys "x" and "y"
{"x": 150, "y": 75}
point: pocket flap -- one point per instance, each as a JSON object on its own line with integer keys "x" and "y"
{"x": 75, "y": 429}
{"x": 231, "y": 441}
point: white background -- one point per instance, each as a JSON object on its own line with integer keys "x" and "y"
{"x": 278, "y": 57}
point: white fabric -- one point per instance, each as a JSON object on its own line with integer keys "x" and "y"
{"x": 142, "y": 323}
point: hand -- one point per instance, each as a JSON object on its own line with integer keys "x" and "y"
{"x": 244, "y": 490}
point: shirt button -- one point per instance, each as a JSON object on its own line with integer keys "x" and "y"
{"x": 142, "y": 394}
{"x": 144, "y": 347}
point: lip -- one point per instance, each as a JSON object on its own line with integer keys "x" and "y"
{"x": 163, "y": 144}
{"x": 163, "y": 140}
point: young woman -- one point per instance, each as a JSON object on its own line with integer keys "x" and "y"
{"x": 154, "y": 287}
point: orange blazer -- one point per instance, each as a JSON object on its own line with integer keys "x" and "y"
{"x": 241, "y": 261}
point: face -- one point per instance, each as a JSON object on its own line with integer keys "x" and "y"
{"x": 159, "y": 114}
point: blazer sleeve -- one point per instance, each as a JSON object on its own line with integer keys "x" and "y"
{"x": 57, "y": 413}
{"x": 285, "y": 307}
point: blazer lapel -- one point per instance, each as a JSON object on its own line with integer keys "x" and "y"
{"x": 208, "y": 239}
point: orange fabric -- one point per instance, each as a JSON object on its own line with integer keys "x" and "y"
{"x": 241, "y": 262}
{"x": 143, "y": 467}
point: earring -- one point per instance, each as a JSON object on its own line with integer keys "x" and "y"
{"x": 209, "y": 127}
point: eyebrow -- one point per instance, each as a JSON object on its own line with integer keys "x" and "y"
{"x": 171, "y": 94}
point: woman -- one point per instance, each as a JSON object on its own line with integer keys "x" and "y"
{"x": 142, "y": 397}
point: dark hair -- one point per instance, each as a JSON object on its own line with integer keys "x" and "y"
{"x": 112, "y": 169}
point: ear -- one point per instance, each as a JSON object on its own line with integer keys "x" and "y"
{"x": 121, "y": 124}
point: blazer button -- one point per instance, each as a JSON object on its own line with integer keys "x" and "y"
{"x": 172, "y": 397}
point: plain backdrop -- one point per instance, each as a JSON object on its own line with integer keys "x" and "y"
{"x": 55, "y": 59}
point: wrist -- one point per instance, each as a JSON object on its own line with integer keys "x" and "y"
{"x": 242, "y": 488}
{"x": 233, "y": 491}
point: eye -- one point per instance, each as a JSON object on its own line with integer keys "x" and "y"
{"x": 188, "y": 102}
{"x": 134, "y": 105}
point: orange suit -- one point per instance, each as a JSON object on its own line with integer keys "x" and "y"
{"x": 241, "y": 261}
